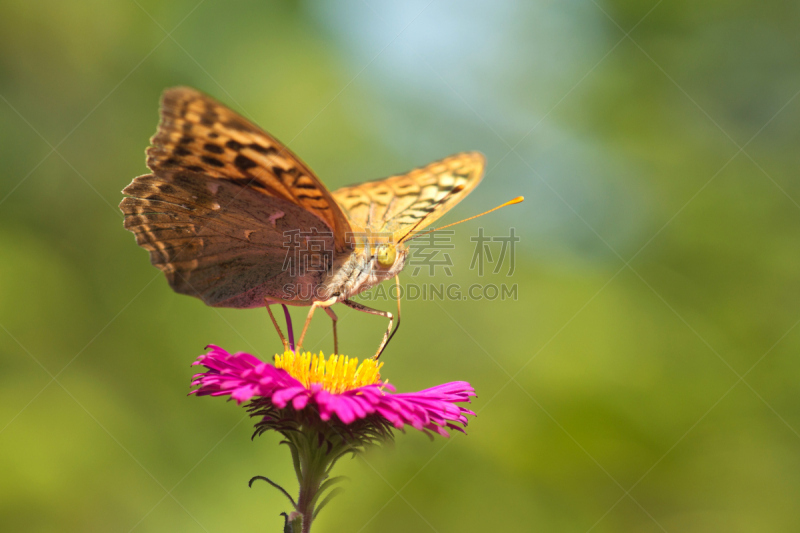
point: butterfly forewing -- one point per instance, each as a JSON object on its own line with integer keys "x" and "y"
{"x": 409, "y": 202}
{"x": 215, "y": 212}
{"x": 198, "y": 134}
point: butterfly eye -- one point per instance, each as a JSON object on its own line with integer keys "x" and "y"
{"x": 386, "y": 255}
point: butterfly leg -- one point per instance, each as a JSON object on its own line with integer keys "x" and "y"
{"x": 277, "y": 327}
{"x": 335, "y": 319}
{"x": 386, "y": 336}
{"x": 397, "y": 326}
{"x": 325, "y": 304}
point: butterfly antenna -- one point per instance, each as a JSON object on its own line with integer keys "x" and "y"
{"x": 516, "y": 200}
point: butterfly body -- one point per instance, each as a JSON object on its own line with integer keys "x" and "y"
{"x": 361, "y": 271}
{"x": 233, "y": 217}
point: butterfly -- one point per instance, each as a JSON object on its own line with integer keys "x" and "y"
{"x": 231, "y": 216}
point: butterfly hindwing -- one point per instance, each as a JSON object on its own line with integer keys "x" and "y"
{"x": 409, "y": 202}
{"x": 216, "y": 240}
{"x": 198, "y": 134}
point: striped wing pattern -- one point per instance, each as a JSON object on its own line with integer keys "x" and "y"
{"x": 198, "y": 134}
{"x": 409, "y": 202}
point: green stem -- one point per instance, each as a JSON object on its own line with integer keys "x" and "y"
{"x": 310, "y": 476}
{"x": 315, "y": 462}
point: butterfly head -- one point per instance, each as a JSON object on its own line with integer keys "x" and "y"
{"x": 386, "y": 255}
{"x": 372, "y": 261}
{"x": 383, "y": 260}
{"x": 379, "y": 253}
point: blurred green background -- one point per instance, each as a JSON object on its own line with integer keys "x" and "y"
{"x": 644, "y": 380}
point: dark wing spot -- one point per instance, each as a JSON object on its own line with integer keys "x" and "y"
{"x": 409, "y": 188}
{"x": 262, "y": 150}
{"x": 243, "y": 182}
{"x": 288, "y": 177}
{"x": 181, "y": 151}
{"x": 279, "y": 173}
{"x": 208, "y": 118}
{"x": 243, "y": 162}
{"x": 304, "y": 196}
{"x": 213, "y": 135}
{"x": 214, "y": 148}
{"x": 213, "y": 161}
{"x": 166, "y": 188}
{"x": 248, "y": 182}
{"x": 195, "y": 168}
{"x": 186, "y": 139}
{"x": 171, "y": 162}
{"x": 233, "y": 145}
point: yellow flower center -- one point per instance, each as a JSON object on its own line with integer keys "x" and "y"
{"x": 338, "y": 374}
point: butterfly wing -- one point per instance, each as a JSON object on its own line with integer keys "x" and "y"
{"x": 222, "y": 193}
{"x": 229, "y": 257}
{"x": 199, "y": 134}
{"x": 406, "y": 203}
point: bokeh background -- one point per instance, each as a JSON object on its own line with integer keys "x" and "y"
{"x": 646, "y": 378}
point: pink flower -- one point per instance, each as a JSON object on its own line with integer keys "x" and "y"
{"x": 338, "y": 391}
{"x": 325, "y": 409}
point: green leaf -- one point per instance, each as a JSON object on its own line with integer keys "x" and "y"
{"x": 295, "y": 458}
{"x": 325, "y": 486}
{"x": 329, "y": 497}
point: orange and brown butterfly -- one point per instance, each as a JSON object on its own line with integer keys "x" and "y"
{"x": 227, "y": 206}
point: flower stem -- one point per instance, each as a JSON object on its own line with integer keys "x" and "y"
{"x": 306, "y": 510}
{"x": 314, "y": 462}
